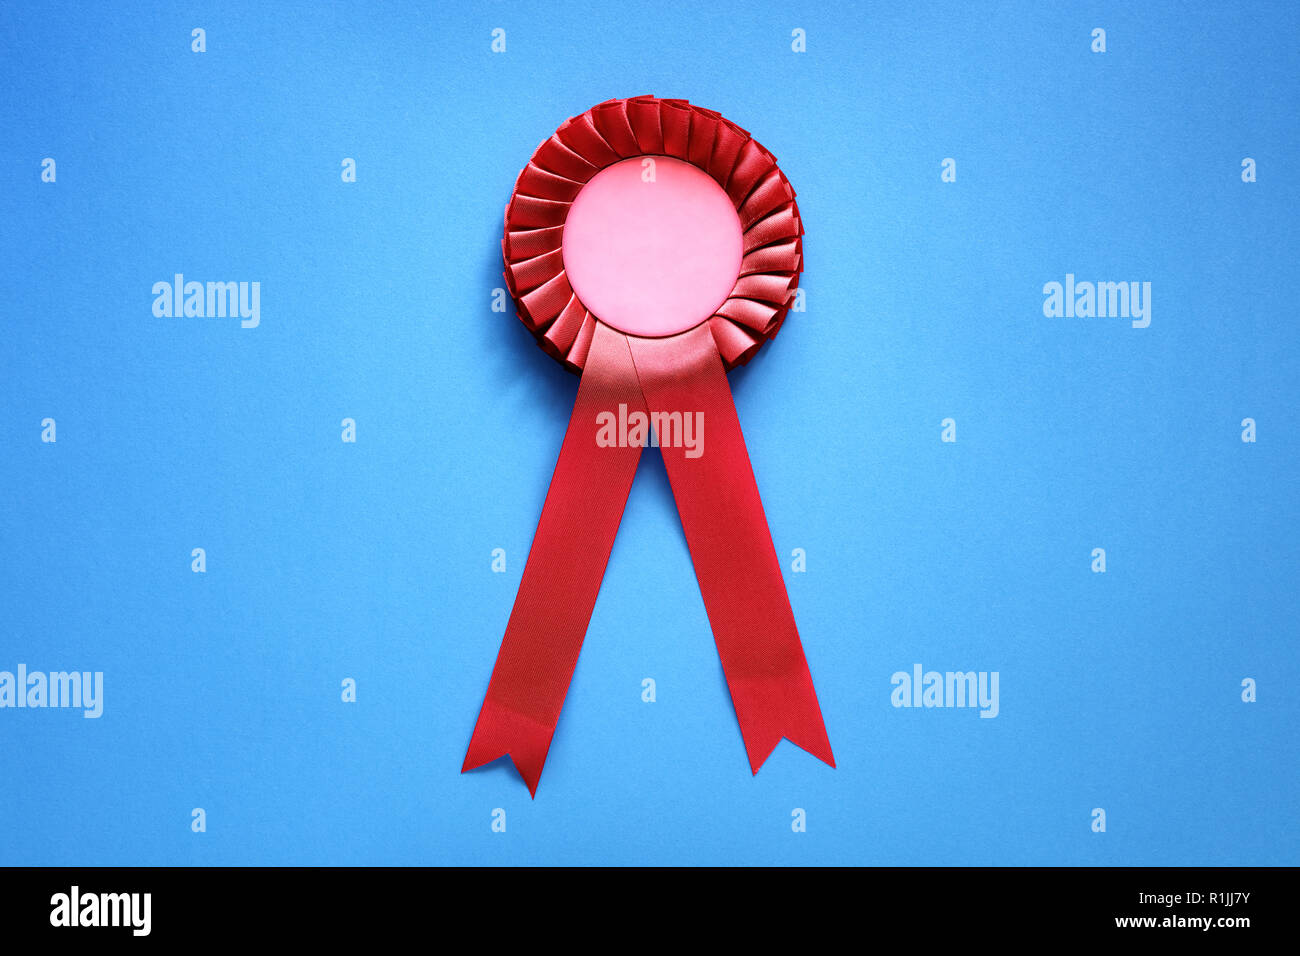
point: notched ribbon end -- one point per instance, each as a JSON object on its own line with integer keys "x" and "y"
{"x": 811, "y": 740}
{"x": 530, "y": 777}
{"x": 503, "y": 734}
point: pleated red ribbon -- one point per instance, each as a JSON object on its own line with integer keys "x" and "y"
{"x": 716, "y": 495}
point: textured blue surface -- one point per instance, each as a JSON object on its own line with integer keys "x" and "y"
{"x": 371, "y": 560}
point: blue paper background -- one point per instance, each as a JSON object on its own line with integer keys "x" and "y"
{"x": 372, "y": 561}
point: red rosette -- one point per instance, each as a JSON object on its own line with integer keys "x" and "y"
{"x": 658, "y": 264}
{"x": 623, "y": 129}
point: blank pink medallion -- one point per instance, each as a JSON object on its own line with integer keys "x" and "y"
{"x": 652, "y": 246}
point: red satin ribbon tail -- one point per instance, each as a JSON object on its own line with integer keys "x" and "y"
{"x": 501, "y": 733}
{"x": 731, "y": 547}
{"x": 562, "y": 576}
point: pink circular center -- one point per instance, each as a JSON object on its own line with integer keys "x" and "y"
{"x": 652, "y": 246}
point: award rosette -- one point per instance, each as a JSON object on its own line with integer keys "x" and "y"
{"x": 651, "y": 245}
